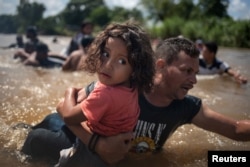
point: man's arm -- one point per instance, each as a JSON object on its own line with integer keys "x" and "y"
{"x": 111, "y": 149}
{"x": 31, "y": 61}
{"x": 237, "y": 76}
{"x": 69, "y": 109}
{"x": 72, "y": 61}
{"x": 218, "y": 123}
{"x": 22, "y": 55}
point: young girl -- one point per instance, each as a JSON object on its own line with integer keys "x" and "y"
{"x": 122, "y": 58}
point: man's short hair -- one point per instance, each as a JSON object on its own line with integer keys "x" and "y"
{"x": 41, "y": 47}
{"x": 32, "y": 30}
{"x": 211, "y": 46}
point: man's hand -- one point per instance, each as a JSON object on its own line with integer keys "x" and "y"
{"x": 81, "y": 95}
{"x": 69, "y": 109}
{"x": 113, "y": 149}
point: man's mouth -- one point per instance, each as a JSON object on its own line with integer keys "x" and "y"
{"x": 187, "y": 87}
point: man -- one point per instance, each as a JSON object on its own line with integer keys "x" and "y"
{"x": 76, "y": 59}
{"x": 18, "y": 44}
{"x": 40, "y": 58}
{"x": 209, "y": 64}
{"x": 86, "y": 29}
{"x": 30, "y": 46}
{"x": 162, "y": 111}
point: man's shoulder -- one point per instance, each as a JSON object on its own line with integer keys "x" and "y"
{"x": 189, "y": 100}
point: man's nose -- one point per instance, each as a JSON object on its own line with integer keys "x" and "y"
{"x": 193, "y": 79}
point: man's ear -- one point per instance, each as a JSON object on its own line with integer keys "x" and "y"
{"x": 160, "y": 64}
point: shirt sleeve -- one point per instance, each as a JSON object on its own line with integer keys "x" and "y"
{"x": 192, "y": 106}
{"x": 97, "y": 103}
{"x": 224, "y": 66}
{"x": 90, "y": 88}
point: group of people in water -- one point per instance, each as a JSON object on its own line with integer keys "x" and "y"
{"x": 35, "y": 52}
{"x": 141, "y": 96}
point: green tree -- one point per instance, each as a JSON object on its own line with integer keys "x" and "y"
{"x": 158, "y": 10}
{"x": 52, "y": 25}
{"x": 120, "y": 14}
{"x": 214, "y": 8}
{"x": 29, "y": 13}
{"x": 100, "y": 16}
{"x": 8, "y": 24}
{"x": 78, "y": 10}
{"x": 184, "y": 9}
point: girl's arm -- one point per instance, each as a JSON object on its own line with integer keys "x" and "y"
{"x": 111, "y": 149}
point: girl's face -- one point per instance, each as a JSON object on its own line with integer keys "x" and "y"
{"x": 115, "y": 68}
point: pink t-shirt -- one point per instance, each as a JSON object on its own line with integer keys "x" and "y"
{"x": 111, "y": 110}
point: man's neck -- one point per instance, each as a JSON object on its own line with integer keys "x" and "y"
{"x": 157, "y": 98}
{"x": 209, "y": 60}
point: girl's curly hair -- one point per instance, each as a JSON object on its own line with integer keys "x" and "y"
{"x": 140, "y": 53}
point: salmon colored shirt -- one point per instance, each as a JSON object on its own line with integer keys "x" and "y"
{"x": 111, "y": 110}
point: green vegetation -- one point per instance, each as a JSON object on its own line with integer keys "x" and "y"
{"x": 207, "y": 20}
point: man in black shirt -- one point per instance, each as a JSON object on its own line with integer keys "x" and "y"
{"x": 162, "y": 111}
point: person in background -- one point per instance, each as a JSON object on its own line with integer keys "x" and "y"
{"x": 30, "y": 46}
{"x": 199, "y": 44}
{"x": 76, "y": 59}
{"x": 86, "y": 29}
{"x": 40, "y": 58}
{"x": 210, "y": 64}
{"x": 18, "y": 44}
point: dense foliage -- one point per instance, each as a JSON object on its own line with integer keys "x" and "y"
{"x": 204, "y": 19}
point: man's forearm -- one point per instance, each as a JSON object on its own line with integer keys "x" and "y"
{"x": 83, "y": 134}
{"x": 110, "y": 149}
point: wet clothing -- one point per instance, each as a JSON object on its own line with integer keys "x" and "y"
{"x": 49, "y": 63}
{"x": 48, "y": 138}
{"x": 153, "y": 128}
{"x": 111, "y": 110}
{"x": 78, "y": 156}
{"x": 31, "y": 45}
{"x": 217, "y": 67}
{"x": 156, "y": 124}
{"x": 75, "y": 43}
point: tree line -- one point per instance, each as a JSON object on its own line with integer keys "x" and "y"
{"x": 207, "y": 20}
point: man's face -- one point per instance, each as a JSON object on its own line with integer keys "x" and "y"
{"x": 30, "y": 35}
{"x": 88, "y": 29}
{"x": 207, "y": 54}
{"x": 180, "y": 76}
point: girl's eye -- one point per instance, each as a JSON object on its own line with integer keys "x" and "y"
{"x": 122, "y": 61}
{"x": 105, "y": 54}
